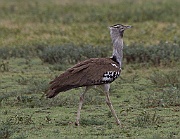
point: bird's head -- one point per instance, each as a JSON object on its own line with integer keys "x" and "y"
{"x": 118, "y": 29}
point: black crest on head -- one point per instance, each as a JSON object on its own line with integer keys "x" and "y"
{"x": 119, "y": 28}
{"x": 116, "y": 25}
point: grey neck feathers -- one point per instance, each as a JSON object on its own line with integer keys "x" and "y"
{"x": 117, "y": 41}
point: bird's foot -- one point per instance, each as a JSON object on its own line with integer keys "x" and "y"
{"x": 119, "y": 123}
{"x": 77, "y": 123}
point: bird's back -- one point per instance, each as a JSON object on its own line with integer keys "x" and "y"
{"x": 94, "y": 71}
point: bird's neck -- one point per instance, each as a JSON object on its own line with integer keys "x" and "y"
{"x": 118, "y": 49}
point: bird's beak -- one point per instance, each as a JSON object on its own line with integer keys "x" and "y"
{"x": 109, "y": 27}
{"x": 127, "y": 27}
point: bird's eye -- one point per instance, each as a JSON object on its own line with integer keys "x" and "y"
{"x": 122, "y": 28}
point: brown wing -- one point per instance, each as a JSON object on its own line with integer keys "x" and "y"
{"x": 94, "y": 71}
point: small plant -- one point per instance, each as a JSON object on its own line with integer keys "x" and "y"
{"x": 21, "y": 119}
{"x": 145, "y": 119}
{"x": 166, "y": 98}
{"x": 93, "y": 99}
{"x": 22, "y": 80}
{"x": 21, "y": 136}
{"x": 48, "y": 119}
{"x": 161, "y": 54}
{"x": 37, "y": 86}
{"x": 71, "y": 54}
{"x": 59, "y": 67}
{"x": 5, "y": 96}
{"x": 168, "y": 93}
{"x": 20, "y": 52}
{"x": 170, "y": 97}
{"x": 172, "y": 135}
{"x": 6, "y": 130}
{"x": 4, "y": 66}
{"x": 92, "y": 121}
{"x": 162, "y": 79}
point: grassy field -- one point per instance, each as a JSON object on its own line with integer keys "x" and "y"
{"x": 146, "y": 97}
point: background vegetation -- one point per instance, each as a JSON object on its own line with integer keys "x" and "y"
{"x": 39, "y": 39}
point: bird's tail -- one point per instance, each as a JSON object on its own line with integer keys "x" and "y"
{"x": 52, "y": 92}
{"x": 66, "y": 81}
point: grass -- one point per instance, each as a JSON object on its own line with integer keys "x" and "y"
{"x": 25, "y": 23}
{"x": 145, "y": 97}
{"x": 25, "y": 108}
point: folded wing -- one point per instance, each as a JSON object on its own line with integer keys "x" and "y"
{"x": 94, "y": 71}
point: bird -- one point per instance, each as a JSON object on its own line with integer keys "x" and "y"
{"x": 93, "y": 72}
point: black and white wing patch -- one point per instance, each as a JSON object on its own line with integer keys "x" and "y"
{"x": 110, "y": 76}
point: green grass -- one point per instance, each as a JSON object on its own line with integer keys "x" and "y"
{"x": 146, "y": 97}
{"x": 39, "y": 22}
{"x": 27, "y": 113}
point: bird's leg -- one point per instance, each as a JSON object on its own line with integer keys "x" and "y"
{"x": 108, "y": 101}
{"x": 111, "y": 108}
{"x": 80, "y": 106}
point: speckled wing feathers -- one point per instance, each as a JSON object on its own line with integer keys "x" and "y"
{"x": 87, "y": 73}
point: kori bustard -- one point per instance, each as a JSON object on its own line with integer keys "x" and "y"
{"x": 94, "y": 71}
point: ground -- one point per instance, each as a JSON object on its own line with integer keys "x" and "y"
{"x": 146, "y": 97}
